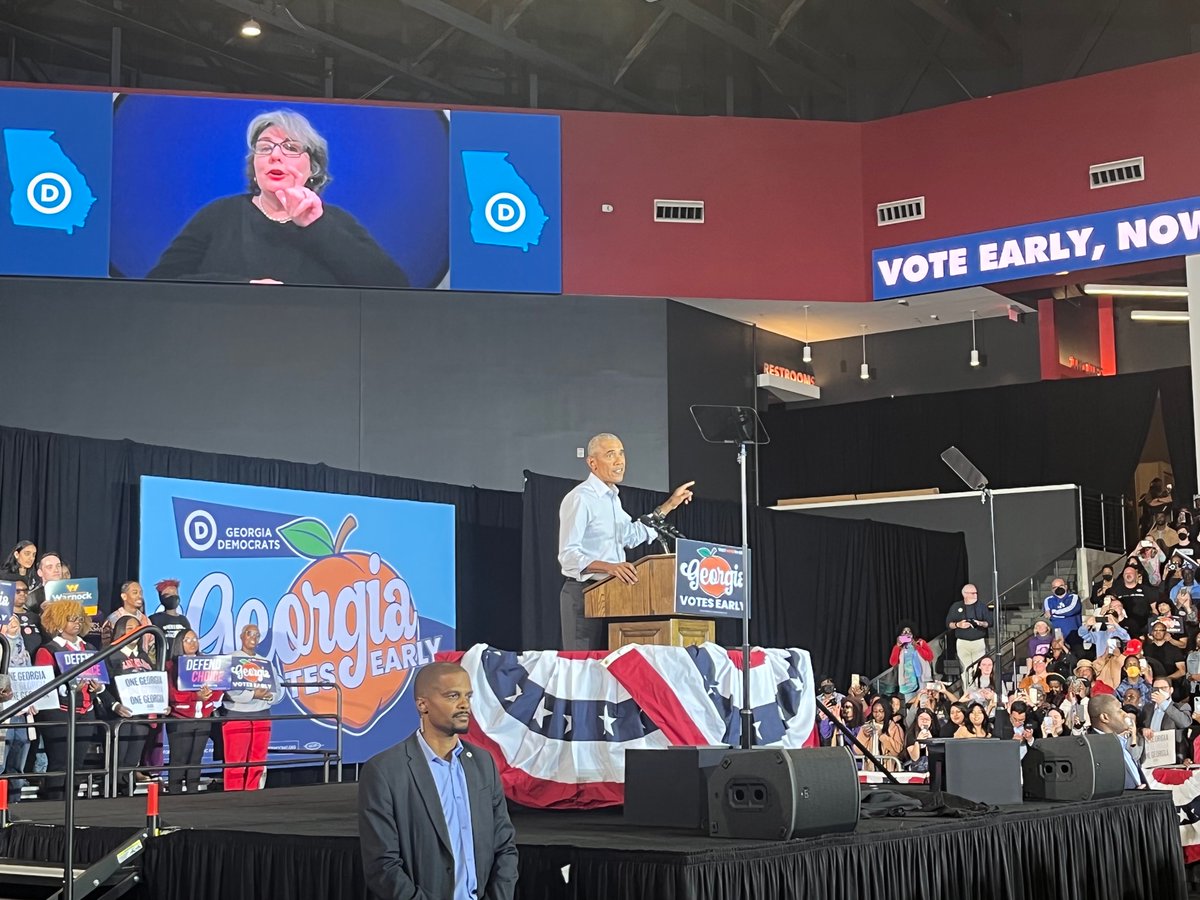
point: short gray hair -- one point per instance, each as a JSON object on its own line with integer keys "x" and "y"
{"x": 298, "y": 129}
{"x": 593, "y": 446}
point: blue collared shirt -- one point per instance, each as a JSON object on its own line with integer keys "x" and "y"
{"x": 451, "y": 783}
{"x": 1133, "y": 775}
{"x": 592, "y": 526}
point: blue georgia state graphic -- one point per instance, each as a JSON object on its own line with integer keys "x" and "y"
{"x": 49, "y": 191}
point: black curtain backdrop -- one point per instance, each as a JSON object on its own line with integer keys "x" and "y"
{"x": 834, "y": 587}
{"x": 1086, "y": 431}
{"x": 1175, "y": 392}
{"x": 80, "y": 496}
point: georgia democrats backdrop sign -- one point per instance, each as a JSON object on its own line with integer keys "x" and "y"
{"x": 356, "y": 590}
{"x": 1108, "y": 238}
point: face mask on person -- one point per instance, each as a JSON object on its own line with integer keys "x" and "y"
{"x": 1060, "y": 591}
{"x": 170, "y": 601}
{"x": 827, "y": 689}
{"x": 905, "y": 639}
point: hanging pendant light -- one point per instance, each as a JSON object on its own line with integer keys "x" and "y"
{"x": 864, "y": 371}
{"x": 807, "y": 349}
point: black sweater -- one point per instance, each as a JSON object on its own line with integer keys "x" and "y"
{"x": 231, "y": 240}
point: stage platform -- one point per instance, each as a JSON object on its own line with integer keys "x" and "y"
{"x": 301, "y": 844}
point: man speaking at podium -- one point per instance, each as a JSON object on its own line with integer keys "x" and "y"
{"x": 593, "y": 532}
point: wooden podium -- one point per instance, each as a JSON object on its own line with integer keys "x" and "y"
{"x": 646, "y": 610}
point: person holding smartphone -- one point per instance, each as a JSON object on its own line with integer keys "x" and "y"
{"x": 916, "y": 742}
{"x": 1097, "y": 633}
{"x": 1102, "y": 585}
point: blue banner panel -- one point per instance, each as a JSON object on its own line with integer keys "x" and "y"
{"x": 354, "y": 590}
{"x": 505, "y": 203}
{"x": 55, "y": 170}
{"x": 710, "y": 580}
{"x": 1109, "y": 238}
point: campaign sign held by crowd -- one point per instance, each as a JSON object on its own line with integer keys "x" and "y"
{"x": 195, "y": 672}
{"x": 27, "y": 679}
{"x": 68, "y": 659}
{"x": 710, "y": 580}
{"x": 248, "y": 674}
{"x": 144, "y": 693}
{"x": 8, "y": 595}
{"x": 84, "y": 591}
{"x": 356, "y": 591}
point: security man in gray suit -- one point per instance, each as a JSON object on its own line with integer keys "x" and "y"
{"x": 432, "y": 820}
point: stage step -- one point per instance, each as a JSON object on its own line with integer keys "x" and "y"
{"x": 109, "y": 878}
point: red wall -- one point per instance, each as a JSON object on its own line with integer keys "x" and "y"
{"x": 791, "y": 205}
{"x": 1024, "y": 156}
{"x": 782, "y": 207}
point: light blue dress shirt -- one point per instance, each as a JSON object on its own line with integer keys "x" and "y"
{"x": 451, "y": 783}
{"x": 1133, "y": 775}
{"x": 592, "y": 526}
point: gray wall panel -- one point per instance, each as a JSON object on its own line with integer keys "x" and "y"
{"x": 269, "y": 372}
{"x": 464, "y": 389}
{"x": 477, "y": 388}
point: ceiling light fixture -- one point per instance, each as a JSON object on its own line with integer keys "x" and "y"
{"x": 974, "y": 348}
{"x": 1173, "y": 316}
{"x": 864, "y": 371}
{"x": 251, "y": 29}
{"x": 1135, "y": 290}
{"x": 807, "y": 349}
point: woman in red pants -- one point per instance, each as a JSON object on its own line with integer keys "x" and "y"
{"x": 246, "y": 741}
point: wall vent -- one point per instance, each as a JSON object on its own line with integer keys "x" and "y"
{"x": 679, "y": 211}
{"x": 900, "y": 211}
{"x": 1119, "y": 172}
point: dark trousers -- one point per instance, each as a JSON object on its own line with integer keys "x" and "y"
{"x": 131, "y": 742}
{"x": 578, "y": 631}
{"x": 187, "y": 746}
{"x": 55, "y": 740}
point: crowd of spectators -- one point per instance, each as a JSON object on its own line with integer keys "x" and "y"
{"x": 1131, "y": 635}
{"x": 37, "y": 630}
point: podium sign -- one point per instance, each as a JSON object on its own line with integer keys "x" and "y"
{"x": 710, "y": 580}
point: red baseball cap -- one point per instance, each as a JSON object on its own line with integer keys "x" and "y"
{"x": 1134, "y": 647}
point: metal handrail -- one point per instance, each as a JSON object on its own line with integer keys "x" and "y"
{"x": 70, "y": 680}
{"x": 330, "y": 755}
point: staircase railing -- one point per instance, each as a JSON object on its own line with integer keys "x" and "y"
{"x": 70, "y": 680}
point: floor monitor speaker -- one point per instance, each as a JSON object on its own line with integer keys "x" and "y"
{"x": 1087, "y": 767}
{"x": 771, "y": 794}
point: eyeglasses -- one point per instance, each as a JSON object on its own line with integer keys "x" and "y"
{"x": 79, "y": 619}
{"x": 287, "y": 148}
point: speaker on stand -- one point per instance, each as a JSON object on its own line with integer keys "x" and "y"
{"x": 1089, "y": 767}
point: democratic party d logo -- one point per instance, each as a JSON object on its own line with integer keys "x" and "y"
{"x": 49, "y": 191}
{"x": 505, "y": 212}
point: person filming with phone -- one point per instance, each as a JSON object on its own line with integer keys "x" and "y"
{"x": 970, "y": 621}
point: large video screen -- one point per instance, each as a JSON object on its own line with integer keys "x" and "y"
{"x": 249, "y": 190}
{"x": 353, "y": 590}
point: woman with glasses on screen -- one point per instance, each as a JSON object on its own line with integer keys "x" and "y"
{"x": 280, "y": 231}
